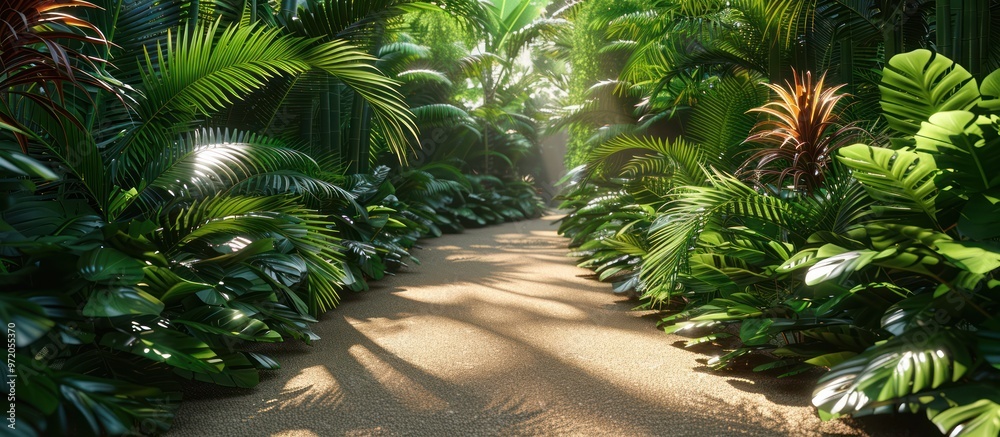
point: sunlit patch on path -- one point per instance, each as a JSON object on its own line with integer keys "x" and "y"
{"x": 496, "y": 334}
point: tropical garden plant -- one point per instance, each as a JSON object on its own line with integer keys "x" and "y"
{"x": 764, "y": 229}
{"x": 166, "y": 198}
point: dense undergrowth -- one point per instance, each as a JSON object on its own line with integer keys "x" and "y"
{"x": 848, "y": 222}
{"x": 812, "y": 181}
{"x": 181, "y": 179}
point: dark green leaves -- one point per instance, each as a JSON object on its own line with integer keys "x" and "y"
{"x": 965, "y": 151}
{"x": 228, "y": 322}
{"x": 110, "y": 266}
{"x": 30, "y": 319}
{"x": 121, "y": 301}
{"x": 166, "y": 346}
{"x": 20, "y": 164}
{"x": 903, "y": 180}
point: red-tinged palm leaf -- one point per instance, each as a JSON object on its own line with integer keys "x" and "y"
{"x": 34, "y": 56}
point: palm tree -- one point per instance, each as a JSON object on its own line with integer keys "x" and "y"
{"x": 345, "y": 118}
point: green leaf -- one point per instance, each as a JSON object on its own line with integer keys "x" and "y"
{"x": 967, "y": 155}
{"x": 166, "y": 346}
{"x": 988, "y": 341}
{"x": 19, "y": 164}
{"x": 894, "y": 370}
{"x": 803, "y": 259}
{"x": 262, "y": 361}
{"x": 110, "y": 266}
{"x": 980, "y": 218}
{"x": 830, "y": 360}
{"x": 920, "y": 83}
{"x": 227, "y": 321}
{"x": 121, "y": 301}
{"x": 970, "y": 410}
{"x": 100, "y": 406}
{"x": 903, "y": 180}
{"x": 706, "y": 339}
{"x": 904, "y": 247}
{"x": 976, "y": 257}
{"x": 164, "y": 284}
{"x": 839, "y": 266}
{"x": 513, "y": 16}
{"x": 238, "y": 371}
{"x": 755, "y": 332}
{"x": 777, "y": 364}
{"x": 29, "y": 318}
{"x": 990, "y": 90}
{"x": 980, "y": 418}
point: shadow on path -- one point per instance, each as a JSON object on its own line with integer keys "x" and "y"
{"x": 495, "y": 334}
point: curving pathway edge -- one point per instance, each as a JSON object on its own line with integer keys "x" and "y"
{"x": 498, "y": 333}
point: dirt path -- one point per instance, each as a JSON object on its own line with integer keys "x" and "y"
{"x": 495, "y": 334}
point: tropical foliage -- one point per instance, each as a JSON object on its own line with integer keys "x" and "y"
{"x": 845, "y": 224}
{"x": 807, "y": 185}
{"x": 176, "y": 184}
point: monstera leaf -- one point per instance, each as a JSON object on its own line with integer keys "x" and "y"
{"x": 980, "y": 219}
{"x": 903, "y": 180}
{"x": 909, "y": 248}
{"x": 920, "y": 83}
{"x": 888, "y": 374}
{"x": 990, "y": 90}
{"x": 967, "y": 410}
{"x": 967, "y": 154}
{"x": 976, "y": 257}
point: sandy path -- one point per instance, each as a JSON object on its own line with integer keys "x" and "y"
{"x": 495, "y": 334}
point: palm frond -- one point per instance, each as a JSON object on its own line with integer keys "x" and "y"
{"x": 674, "y": 234}
{"x": 720, "y": 121}
{"x": 627, "y": 156}
{"x": 203, "y": 70}
{"x": 207, "y": 162}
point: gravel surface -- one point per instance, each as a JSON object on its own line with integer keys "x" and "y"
{"x": 497, "y": 332}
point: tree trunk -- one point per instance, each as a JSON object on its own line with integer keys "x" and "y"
{"x": 963, "y": 28}
{"x": 847, "y": 64}
{"x": 194, "y": 14}
{"x": 354, "y": 141}
{"x": 336, "y": 136}
{"x": 365, "y": 148}
{"x": 306, "y": 127}
{"x": 325, "y": 114}
{"x": 945, "y": 36}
